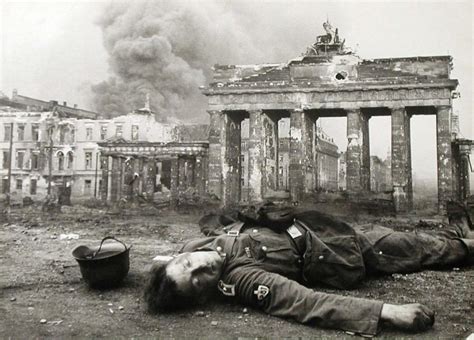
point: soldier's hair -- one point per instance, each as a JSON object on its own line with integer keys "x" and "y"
{"x": 162, "y": 294}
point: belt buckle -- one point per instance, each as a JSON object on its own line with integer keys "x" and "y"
{"x": 233, "y": 233}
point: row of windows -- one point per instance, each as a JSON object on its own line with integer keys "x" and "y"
{"x": 34, "y": 185}
{"x": 66, "y": 132}
{"x": 20, "y": 160}
{"x": 64, "y": 162}
{"x": 19, "y": 185}
{"x": 20, "y": 132}
{"x": 118, "y": 132}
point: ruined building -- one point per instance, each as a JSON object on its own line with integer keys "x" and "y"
{"x": 61, "y": 143}
{"x": 327, "y": 81}
{"x": 159, "y": 165}
{"x": 46, "y": 140}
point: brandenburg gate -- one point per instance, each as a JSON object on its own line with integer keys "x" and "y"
{"x": 327, "y": 81}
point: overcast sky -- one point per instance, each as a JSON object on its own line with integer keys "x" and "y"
{"x": 55, "y": 49}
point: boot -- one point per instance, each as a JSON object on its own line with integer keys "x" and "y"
{"x": 459, "y": 216}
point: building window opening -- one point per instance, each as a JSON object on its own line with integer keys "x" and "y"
{"x": 72, "y": 135}
{"x": 118, "y": 131}
{"x": 20, "y": 156}
{"x": 60, "y": 161}
{"x": 70, "y": 160}
{"x": 87, "y": 187}
{"x": 103, "y": 132}
{"x": 35, "y": 132}
{"x": 5, "y": 185}
{"x": 6, "y": 159}
{"x": 62, "y": 134}
{"x": 33, "y": 185}
{"x": 34, "y": 161}
{"x": 88, "y": 160}
{"x": 134, "y": 132}
{"x": 7, "y": 131}
{"x": 19, "y": 184}
{"x": 21, "y": 132}
{"x": 89, "y": 133}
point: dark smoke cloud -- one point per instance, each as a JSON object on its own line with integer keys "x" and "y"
{"x": 166, "y": 49}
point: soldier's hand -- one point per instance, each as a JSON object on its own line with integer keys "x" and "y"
{"x": 412, "y": 317}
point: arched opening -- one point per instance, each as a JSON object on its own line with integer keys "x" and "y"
{"x": 70, "y": 160}
{"x": 60, "y": 156}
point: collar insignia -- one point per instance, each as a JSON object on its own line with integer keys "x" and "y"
{"x": 226, "y": 289}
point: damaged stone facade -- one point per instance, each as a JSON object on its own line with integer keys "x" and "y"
{"x": 329, "y": 83}
{"x": 74, "y": 134}
{"x": 463, "y": 149}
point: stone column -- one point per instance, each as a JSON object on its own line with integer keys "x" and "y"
{"x": 215, "y": 154}
{"x": 105, "y": 177}
{"x": 231, "y": 146}
{"x": 401, "y": 160}
{"x": 444, "y": 152}
{"x": 150, "y": 178}
{"x": 464, "y": 169}
{"x": 137, "y": 164}
{"x": 174, "y": 190}
{"x": 200, "y": 180}
{"x": 315, "y": 155}
{"x": 309, "y": 138}
{"x": 354, "y": 150}
{"x": 301, "y": 158}
{"x": 109, "y": 180}
{"x": 190, "y": 172}
{"x": 365, "y": 153}
{"x": 270, "y": 153}
{"x": 115, "y": 182}
{"x": 182, "y": 164}
{"x": 255, "y": 156}
{"x": 127, "y": 181}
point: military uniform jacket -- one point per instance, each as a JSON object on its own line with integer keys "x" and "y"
{"x": 271, "y": 271}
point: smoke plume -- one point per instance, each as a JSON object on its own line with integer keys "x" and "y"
{"x": 167, "y": 49}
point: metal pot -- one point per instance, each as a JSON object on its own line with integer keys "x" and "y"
{"x": 104, "y": 266}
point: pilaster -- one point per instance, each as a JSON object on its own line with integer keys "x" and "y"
{"x": 354, "y": 150}
{"x": 301, "y": 171}
{"x": 215, "y": 161}
{"x": 230, "y": 155}
{"x": 401, "y": 160}
{"x": 444, "y": 155}
{"x": 255, "y": 156}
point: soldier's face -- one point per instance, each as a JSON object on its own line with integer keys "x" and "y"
{"x": 195, "y": 272}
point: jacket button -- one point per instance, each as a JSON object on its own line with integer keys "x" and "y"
{"x": 321, "y": 257}
{"x": 264, "y": 248}
{"x": 219, "y": 248}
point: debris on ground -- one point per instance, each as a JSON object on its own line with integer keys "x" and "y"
{"x": 70, "y": 236}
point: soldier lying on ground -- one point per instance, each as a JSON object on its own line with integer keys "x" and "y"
{"x": 267, "y": 261}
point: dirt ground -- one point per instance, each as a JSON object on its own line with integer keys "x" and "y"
{"x": 42, "y": 293}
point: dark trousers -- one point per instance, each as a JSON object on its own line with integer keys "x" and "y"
{"x": 388, "y": 251}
